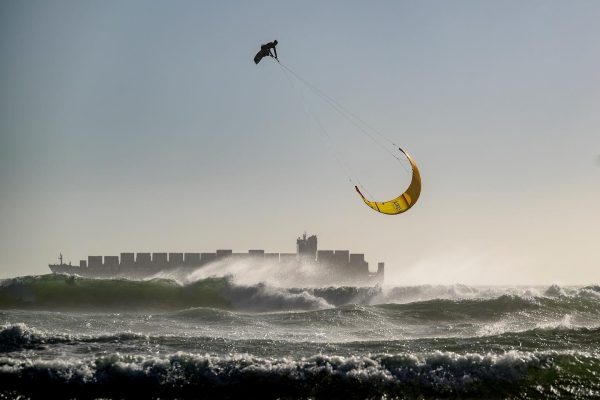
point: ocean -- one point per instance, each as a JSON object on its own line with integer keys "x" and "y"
{"x": 216, "y": 337}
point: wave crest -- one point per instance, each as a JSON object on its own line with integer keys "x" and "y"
{"x": 60, "y": 292}
{"x": 182, "y": 375}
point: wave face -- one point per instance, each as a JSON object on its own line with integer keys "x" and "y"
{"x": 71, "y": 292}
{"x": 56, "y": 291}
{"x": 217, "y": 337}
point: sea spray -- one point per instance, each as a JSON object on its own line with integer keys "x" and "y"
{"x": 55, "y": 291}
{"x": 247, "y": 272}
{"x": 218, "y": 338}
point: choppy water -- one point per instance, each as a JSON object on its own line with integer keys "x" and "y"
{"x": 214, "y": 338}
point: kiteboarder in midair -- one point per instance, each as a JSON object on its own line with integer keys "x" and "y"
{"x": 265, "y": 51}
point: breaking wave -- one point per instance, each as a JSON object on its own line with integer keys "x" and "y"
{"x": 184, "y": 375}
{"x": 215, "y": 337}
{"x": 20, "y": 336}
{"x": 56, "y": 292}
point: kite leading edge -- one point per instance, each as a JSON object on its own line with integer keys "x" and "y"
{"x": 403, "y": 202}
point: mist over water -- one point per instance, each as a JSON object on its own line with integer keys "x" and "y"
{"x": 231, "y": 330}
{"x": 245, "y": 272}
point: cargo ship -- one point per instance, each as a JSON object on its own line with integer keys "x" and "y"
{"x": 333, "y": 266}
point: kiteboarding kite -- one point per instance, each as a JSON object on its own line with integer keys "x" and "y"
{"x": 403, "y": 202}
{"x": 395, "y": 206}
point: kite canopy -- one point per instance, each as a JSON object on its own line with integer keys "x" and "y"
{"x": 403, "y": 202}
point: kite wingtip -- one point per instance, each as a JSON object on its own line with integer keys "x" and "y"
{"x": 358, "y": 190}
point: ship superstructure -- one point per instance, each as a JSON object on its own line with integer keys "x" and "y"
{"x": 336, "y": 265}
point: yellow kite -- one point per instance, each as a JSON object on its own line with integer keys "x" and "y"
{"x": 403, "y": 202}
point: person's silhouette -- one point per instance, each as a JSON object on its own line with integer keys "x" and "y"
{"x": 265, "y": 51}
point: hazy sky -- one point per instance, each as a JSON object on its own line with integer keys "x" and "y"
{"x": 145, "y": 126}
